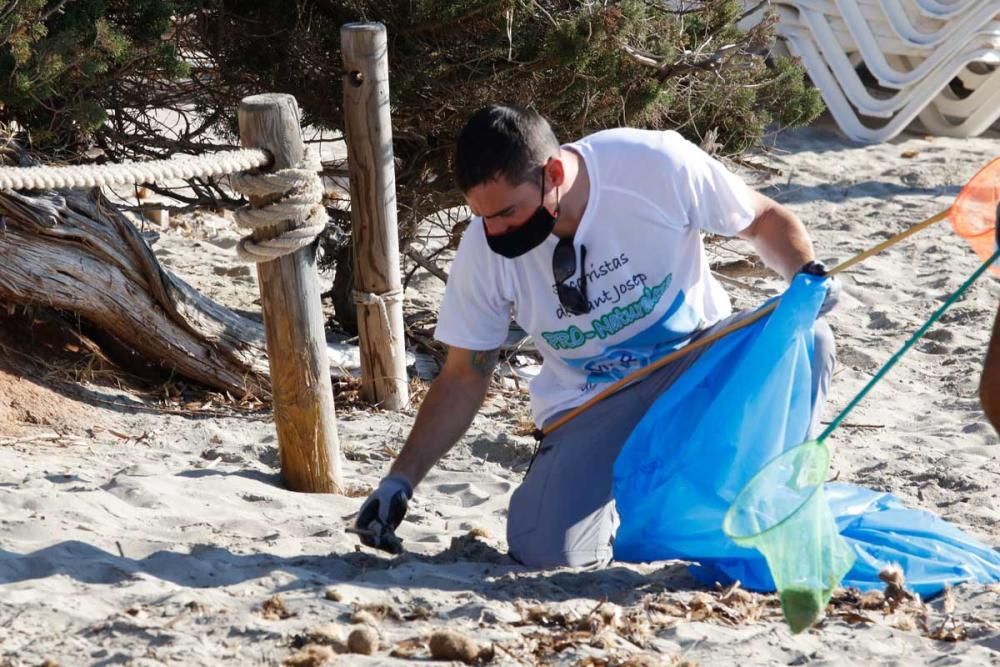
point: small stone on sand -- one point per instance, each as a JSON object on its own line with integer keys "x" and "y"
{"x": 449, "y": 645}
{"x": 363, "y": 640}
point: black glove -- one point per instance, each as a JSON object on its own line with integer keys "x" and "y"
{"x": 382, "y": 513}
{"x": 833, "y": 286}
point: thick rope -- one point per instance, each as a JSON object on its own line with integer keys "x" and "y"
{"x": 382, "y": 300}
{"x": 300, "y": 202}
{"x": 300, "y": 191}
{"x": 95, "y": 175}
{"x": 708, "y": 340}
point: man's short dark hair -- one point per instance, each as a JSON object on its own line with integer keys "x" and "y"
{"x": 503, "y": 140}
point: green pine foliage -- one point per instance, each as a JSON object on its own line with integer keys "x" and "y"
{"x": 681, "y": 64}
{"x": 63, "y": 63}
{"x": 73, "y": 71}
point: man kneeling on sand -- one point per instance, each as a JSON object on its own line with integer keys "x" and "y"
{"x": 595, "y": 249}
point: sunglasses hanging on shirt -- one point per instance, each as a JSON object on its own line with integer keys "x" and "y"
{"x": 572, "y": 297}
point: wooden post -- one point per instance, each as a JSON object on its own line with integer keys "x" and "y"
{"x": 373, "y": 215}
{"x": 293, "y": 320}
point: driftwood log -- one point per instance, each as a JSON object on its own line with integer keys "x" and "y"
{"x": 73, "y": 251}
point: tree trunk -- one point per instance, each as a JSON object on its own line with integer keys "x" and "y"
{"x": 73, "y": 251}
{"x": 344, "y": 307}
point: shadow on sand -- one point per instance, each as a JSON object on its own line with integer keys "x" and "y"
{"x": 467, "y": 565}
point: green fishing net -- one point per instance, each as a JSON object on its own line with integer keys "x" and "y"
{"x": 782, "y": 513}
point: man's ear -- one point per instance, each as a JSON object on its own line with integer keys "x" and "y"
{"x": 555, "y": 172}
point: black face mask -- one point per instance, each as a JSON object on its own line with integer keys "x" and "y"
{"x": 528, "y": 236}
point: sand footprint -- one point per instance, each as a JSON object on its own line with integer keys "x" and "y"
{"x": 857, "y": 359}
{"x": 933, "y": 347}
{"x": 134, "y": 492}
{"x": 472, "y": 494}
{"x": 881, "y": 320}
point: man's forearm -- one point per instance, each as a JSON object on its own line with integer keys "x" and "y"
{"x": 444, "y": 415}
{"x": 781, "y": 240}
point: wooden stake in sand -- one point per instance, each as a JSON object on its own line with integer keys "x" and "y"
{"x": 293, "y": 320}
{"x": 377, "y": 284}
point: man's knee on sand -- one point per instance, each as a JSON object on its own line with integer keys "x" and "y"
{"x": 544, "y": 531}
{"x": 540, "y": 535}
{"x": 531, "y": 550}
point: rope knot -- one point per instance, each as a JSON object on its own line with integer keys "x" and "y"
{"x": 299, "y": 200}
{"x": 382, "y": 300}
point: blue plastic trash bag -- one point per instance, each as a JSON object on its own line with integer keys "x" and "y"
{"x": 932, "y": 552}
{"x": 745, "y": 401}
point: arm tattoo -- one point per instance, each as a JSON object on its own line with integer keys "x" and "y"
{"x": 484, "y": 361}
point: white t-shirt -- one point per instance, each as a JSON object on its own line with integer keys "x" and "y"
{"x": 652, "y": 193}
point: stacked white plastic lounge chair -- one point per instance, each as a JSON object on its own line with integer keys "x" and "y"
{"x": 881, "y": 64}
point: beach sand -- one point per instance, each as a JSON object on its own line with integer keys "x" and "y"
{"x": 137, "y": 536}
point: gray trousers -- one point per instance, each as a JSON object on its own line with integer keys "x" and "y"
{"x": 563, "y": 513}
